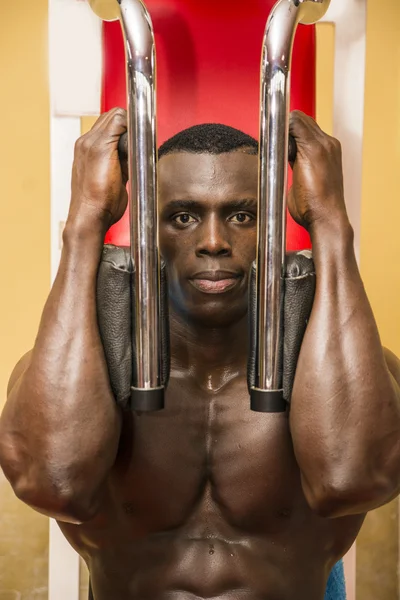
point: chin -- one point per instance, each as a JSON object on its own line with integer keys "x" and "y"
{"x": 212, "y": 314}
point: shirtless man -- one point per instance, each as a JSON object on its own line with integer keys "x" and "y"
{"x": 207, "y": 499}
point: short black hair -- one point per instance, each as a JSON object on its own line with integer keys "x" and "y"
{"x": 209, "y": 138}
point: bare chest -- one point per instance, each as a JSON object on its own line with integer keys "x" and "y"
{"x": 206, "y": 470}
{"x": 207, "y": 449}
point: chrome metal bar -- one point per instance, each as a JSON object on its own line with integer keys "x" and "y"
{"x": 142, "y": 163}
{"x": 274, "y": 125}
{"x": 140, "y": 60}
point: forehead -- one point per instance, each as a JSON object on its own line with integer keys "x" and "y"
{"x": 183, "y": 175}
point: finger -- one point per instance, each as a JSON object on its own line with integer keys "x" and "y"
{"x": 304, "y": 127}
{"x": 98, "y": 126}
{"x": 123, "y": 161}
{"x": 105, "y": 137}
{"x": 111, "y": 129}
{"x": 108, "y": 117}
{"x": 292, "y": 151}
{"x": 117, "y": 123}
{"x": 311, "y": 141}
{"x": 123, "y": 147}
{"x": 98, "y": 123}
{"x": 107, "y": 129}
{"x": 302, "y": 135}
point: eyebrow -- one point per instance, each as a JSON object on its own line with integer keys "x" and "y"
{"x": 196, "y": 205}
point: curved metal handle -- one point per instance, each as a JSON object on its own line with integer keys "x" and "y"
{"x": 147, "y": 390}
{"x": 271, "y": 247}
{"x": 142, "y": 164}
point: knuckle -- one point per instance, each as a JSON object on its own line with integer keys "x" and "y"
{"x": 320, "y": 151}
{"x": 84, "y": 144}
{"x": 296, "y": 114}
{"x": 333, "y": 145}
{"x": 119, "y": 113}
{"x": 96, "y": 150}
{"x": 338, "y": 145}
{"x": 80, "y": 144}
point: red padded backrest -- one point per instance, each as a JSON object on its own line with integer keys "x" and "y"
{"x": 208, "y": 70}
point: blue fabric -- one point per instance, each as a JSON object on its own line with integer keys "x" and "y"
{"x": 336, "y": 589}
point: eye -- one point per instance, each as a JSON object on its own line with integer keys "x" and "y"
{"x": 242, "y": 218}
{"x": 183, "y": 219}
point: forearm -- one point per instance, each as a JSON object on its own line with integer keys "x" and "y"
{"x": 60, "y": 427}
{"x": 345, "y": 414}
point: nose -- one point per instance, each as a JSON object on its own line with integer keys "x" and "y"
{"x": 213, "y": 238}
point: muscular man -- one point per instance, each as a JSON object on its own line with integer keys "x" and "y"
{"x": 206, "y": 499}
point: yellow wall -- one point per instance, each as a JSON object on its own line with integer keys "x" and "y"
{"x": 325, "y": 34}
{"x": 378, "y": 542}
{"x": 380, "y": 219}
{"x": 378, "y": 548}
{"x": 24, "y": 256}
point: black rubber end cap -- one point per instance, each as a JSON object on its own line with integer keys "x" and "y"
{"x": 267, "y": 401}
{"x": 147, "y": 400}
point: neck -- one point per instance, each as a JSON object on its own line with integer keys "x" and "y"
{"x": 210, "y": 356}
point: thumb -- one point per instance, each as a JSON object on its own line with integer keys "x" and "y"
{"x": 123, "y": 156}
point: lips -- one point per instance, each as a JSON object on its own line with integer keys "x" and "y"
{"x": 215, "y": 282}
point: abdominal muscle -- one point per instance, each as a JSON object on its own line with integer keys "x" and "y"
{"x": 172, "y": 567}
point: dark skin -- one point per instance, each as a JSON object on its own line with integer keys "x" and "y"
{"x": 207, "y": 499}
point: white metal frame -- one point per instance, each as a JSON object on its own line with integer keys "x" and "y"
{"x": 349, "y": 18}
{"x": 75, "y": 44}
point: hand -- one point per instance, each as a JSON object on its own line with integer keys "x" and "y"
{"x": 317, "y": 193}
{"x": 99, "y": 196}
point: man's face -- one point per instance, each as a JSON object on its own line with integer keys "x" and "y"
{"x": 208, "y": 231}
